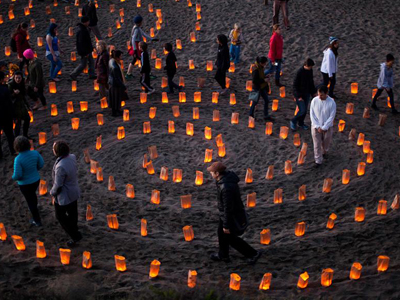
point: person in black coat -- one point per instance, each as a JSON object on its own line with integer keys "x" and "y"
{"x": 6, "y": 115}
{"x": 223, "y": 62}
{"x": 232, "y": 215}
{"x": 84, "y": 48}
{"x": 89, "y": 10}
{"x": 171, "y": 68}
{"x": 303, "y": 89}
{"x": 145, "y": 69}
{"x": 116, "y": 81}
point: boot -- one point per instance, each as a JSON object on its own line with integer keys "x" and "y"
{"x": 277, "y": 83}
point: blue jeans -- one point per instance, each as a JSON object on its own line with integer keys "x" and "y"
{"x": 235, "y": 53}
{"x": 264, "y": 95}
{"x": 301, "y": 114}
{"x": 55, "y": 66}
{"x": 273, "y": 68}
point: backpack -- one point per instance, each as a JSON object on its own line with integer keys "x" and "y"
{"x": 13, "y": 45}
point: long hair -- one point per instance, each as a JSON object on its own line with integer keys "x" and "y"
{"x": 334, "y": 49}
{"x": 52, "y": 29}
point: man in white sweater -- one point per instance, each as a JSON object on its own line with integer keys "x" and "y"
{"x": 322, "y": 114}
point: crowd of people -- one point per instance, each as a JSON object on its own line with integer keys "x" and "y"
{"x": 107, "y": 70}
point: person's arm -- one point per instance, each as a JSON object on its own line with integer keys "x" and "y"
{"x": 331, "y": 63}
{"x": 329, "y": 123}
{"x": 134, "y": 36}
{"x": 59, "y": 180}
{"x": 17, "y": 170}
{"x": 40, "y": 162}
{"x": 227, "y": 196}
{"x": 313, "y": 116}
{"x": 147, "y": 36}
{"x": 272, "y": 46}
{"x": 312, "y": 85}
{"x": 231, "y": 35}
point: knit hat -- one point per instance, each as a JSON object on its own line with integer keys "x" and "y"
{"x": 332, "y": 39}
{"x": 138, "y": 19}
{"x": 217, "y": 167}
{"x": 28, "y": 54}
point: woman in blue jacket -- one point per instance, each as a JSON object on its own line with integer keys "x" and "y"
{"x": 26, "y": 172}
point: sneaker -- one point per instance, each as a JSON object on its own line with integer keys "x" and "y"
{"x": 37, "y": 224}
{"x": 153, "y": 76}
{"x": 325, "y": 156}
{"x": 92, "y": 77}
{"x": 269, "y": 118}
{"x": 253, "y": 260}
{"x": 151, "y": 91}
{"x": 304, "y": 126}
{"x": 293, "y": 126}
{"x": 216, "y": 257}
{"x": 223, "y": 92}
{"x": 374, "y": 107}
{"x": 128, "y": 76}
{"x": 72, "y": 78}
{"x": 394, "y": 111}
{"x": 317, "y": 165}
{"x": 56, "y": 79}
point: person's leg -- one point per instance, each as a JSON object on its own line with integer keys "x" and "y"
{"x": 325, "y": 79}
{"x": 278, "y": 70}
{"x": 241, "y": 246}
{"x": 223, "y": 241}
{"x": 25, "y": 128}
{"x": 220, "y": 78}
{"x": 264, "y": 95}
{"x": 78, "y": 70}
{"x": 52, "y": 65}
{"x": 41, "y": 96}
{"x": 317, "y": 141}
{"x": 96, "y": 32}
{"x": 17, "y": 129}
{"x": 302, "y": 117}
{"x": 276, "y": 7}
{"x": 102, "y": 90}
{"x": 7, "y": 127}
{"x": 61, "y": 216}
{"x": 92, "y": 71}
{"x": 253, "y": 106}
{"x": 378, "y": 93}
{"x": 29, "y": 192}
{"x": 232, "y": 52}
{"x": 327, "y": 139}
{"x": 144, "y": 83}
{"x": 237, "y": 55}
{"x": 302, "y": 110}
{"x": 170, "y": 84}
{"x": 391, "y": 98}
{"x": 271, "y": 68}
{"x": 332, "y": 86}
{"x": 58, "y": 66}
{"x": 72, "y": 220}
{"x": 285, "y": 14}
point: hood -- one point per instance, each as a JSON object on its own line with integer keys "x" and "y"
{"x": 229, "y": 177}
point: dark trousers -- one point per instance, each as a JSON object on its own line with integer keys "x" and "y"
{"x": 327, "y": 80}
{"x": 278, "y": 4}
{"x": 274, "y": 69}
{"x": 36, "y": 96}
{"x": 226, "y": 240}
{"x": 85, "y": 60}
{"x": 67, "y": 215}
{"x": 264, "y": 95}
{"x": 29, "y": 192}
{"x": 145, "y": 81}
{"x": 25, "y": 127}
{"x": 172, "y": 84}
{"x": 7, "y": 127}
{"x": 301, "y": 114}
{"x": 390, "y": 94}
{"x": 220, "y": 77}
{"x": 22, "y": 63}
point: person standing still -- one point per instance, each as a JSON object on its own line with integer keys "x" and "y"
{"x": 89, "y": 10}
{"x": 26, "y": 172}
{"x": 236, "y": 38}
{"x": 117, "y": 91}
{"x": 385, "y": 82}
{"x": 278, "y": 4}
{"x": 222, "y": 63}
{"x": 65, "y": 191}
{"x": 329, "y": 66}
{"x": 102, "y": 68}
{"x": 84, "y": 48}
{"x": 322, "y": 114}
{"x": 232, "y": 216}
{"x": 303, "y": 89}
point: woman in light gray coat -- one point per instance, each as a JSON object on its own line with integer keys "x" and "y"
{"x": 65, "y": 191}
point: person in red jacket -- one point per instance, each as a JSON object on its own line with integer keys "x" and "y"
{"x": 20, "y": 37}
{"x": 275, "y": 54}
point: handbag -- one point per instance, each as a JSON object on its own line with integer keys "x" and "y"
{"x": 254, "y": 96}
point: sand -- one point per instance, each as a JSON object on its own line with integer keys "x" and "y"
{"x": 367, "y": 32}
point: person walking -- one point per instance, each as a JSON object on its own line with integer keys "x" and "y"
{"x": 19, "y": 39}
{"x": 53, "y": 51}
{"x": 137, "y": 35}
{"x": 6, "y": 115}
{"x": 303, "y": 89}
{"x": 26, "y": 172}
{"x": 385, "y": 82}
{"x": 329, "y": 66}
{"x": 20, "y": 106}
{"x": 233, "y": 219}
{"x": 65, "y": 191}
{"x": 89, "y": 10}
{"x": 222, "y": 63}
{"x": 116, "y": 81}
{"x": 275, "y": 54}
{"x": 145, "y": 70}
{"x": 322, "y": 114}
{"x": 84, "y": 48}
{"x": 102, "y": 69}
{"x": 236, "y": 38}
{"x": 260, "y": 87}
{"x": 277, "y": 6}
{"x": 171, "y": 68}
{"x": 35, "y": 80}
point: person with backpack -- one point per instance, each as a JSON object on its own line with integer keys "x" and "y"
{"x": 171, "y": 68}
{"x": 20, "y": 106}
{"x": 53, "y": 52}
{"x": 137, "y": 35}
{"x": 84, "y": 48}
{"x": 6, "y": 113}
{"x": 233, "y": 219}
{"x": 89, "y": 10}
{"x": 19, "y": 43}
{"x": 35, "y": 80}
{"x": 222, "y": 63}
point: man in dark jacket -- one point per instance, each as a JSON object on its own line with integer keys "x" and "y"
{"x": 6, "y": 115}
{"x": 89, "y": 10}
{"x": 232, "y": 215}
{"x": 84, "y": 48}
{"x": 223, "y": 62}
{"x": 303, "y": 89}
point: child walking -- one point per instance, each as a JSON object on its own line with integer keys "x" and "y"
{"x": 171, "y": 68}
{"x": 236, "y": 38}
{"x": 385, "y": 82}
{"x": 145, "y": 69}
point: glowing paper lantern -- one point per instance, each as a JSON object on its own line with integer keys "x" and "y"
{"x": 361, "y": 169}
{"x": 349, "y": 108}
{"x": 120, "y": 263}
{"x": 199, "y": 178}
{"x": 52, "y": 87}
{"x": 188, "y": 233}
{"x": 284, "y": 132}
{"x": 86, "y": 260}
{"x": 331, "y": 221}
{"x": 182, "y": 97}
{"x": 191, "y": 64}
{"x": 288, "y": 167}
{"x": 154, "y": 268}
{"x": 155, "y": 197}
{"x": 158, "y": 64}
{"x": 326, "y": 188}
{"x": 171, "y": 127}
{"x": 42, "y": 138}
{"x": 121, "y": 133}
{"x": 3, "y": 233}
{"x": 192, "y": 277}
{"x": 266, "y": 282}
{"x": 84, "y": 105}
{"x": 345, "y": 176}
{"x": 112, "y": 221}
{"x": 75, "y": 123}
{"x": 270, "y": 173}
{"x": 249, "y": 176}
{"x": 235, "y": 118}
{"x": 265, "y": 237}
{"x": 383, "y": 263}
{"x": 130, "y": 191}
{"x": 326, "y": 277}
{"x": 179, "y": 44}
{"x": 143, "y": 227}
{"x": 221, "y": 150}
{"x": 89, "y": 214}
{"x": 40, "y": 250}
{"x": 382, "y": 207}
{"x": 234, "y": 283}
{"x": 359, "y": 215}
{"x": 208, "y": 155}
{"x": 268, "y": 128}
{"x": 111, "y": 183}
{"x": 302, "y": 193}
{"x": 282, "y": 92}
{"x": 278, "y": 197}
{"x": 251, "y": 200}
{"x": 303, "y": 280}
{"x": 189, "y": 129}
{"x": 18, "y": 242}
{"x": 354, "y": 88}
{"x": 65, "y": 255}
{"x": 341, "y": 125}
{"x": 300, "y": 229}
{"x": 100, "y": 119}
{"x": 186, "y": 201}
